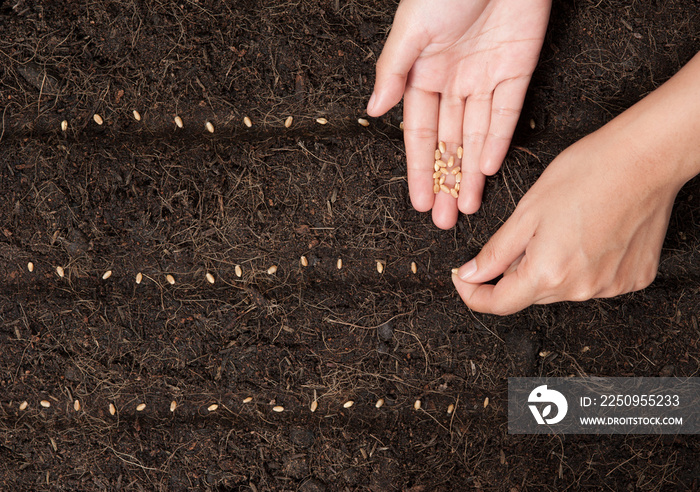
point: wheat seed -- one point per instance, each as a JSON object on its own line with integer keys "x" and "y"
{"x": 444, "y": 188}
{"x": 247, "y": 122}
{"x": 321, "y": 121}
{"x": 339, "y": 263}
{"x": 304, "y": 261}
{"x": 454, "y": 193}
{"x": 455, "y": 171}
{"x": 210, "y": 278}
{"x": 486, "y": 402}
{"x": 401, "y": 126}
{"x": 313, "y": 406}
{"x": 137, "y": 115}
{"x": 272, "y": 270}
{"x": 451, "y": 161}
{"x": 278, "y": 409}
{"x": 61, "y": 273}
{"x": 379, "y": 403}
{"x": 209, "y": 126}
{"x": 455, "y": 271}
{"x": 64, "y": 125}
{"x": 170, "y": 279}
{"x": 438, "y": 154}
{"x": 139, "y": 277}
{"x": 212, "y": 408}
{"x": 450, "y": 408}
{"x": 458, "y": 177}
{"x": 414, "y": 267}
{"x": 107, "y": 274}
{"x": 363, "y": 122}
{"x": 443, "y": 170}
{"x": 437, "y": 174}
{"x": 442, "y": 147}
{"x": 112, "y": 409}
{"x": 436, "y": 166}
{"x": 248, "y": 399}
{"x": 532, "y": 124}
{"x": 141, "y": 407}
{"x": 416, "y": 405}
{"x": 348, "y": 404}
{"x": 23, "y": 405}
{"x": 45, "y": 403}
{"x": 98, "y": 119}
{"x": 178, "y": 122}
{"x": 30, "y": 266}
{"x": 457, "y": 185}
{"x": 288, "y": 122}
{"x": 460, "y": 152}
{"x": 441, "y": 163}
{"x": 442, "y": 179}
{"x": 76, "y": 405}
{"x": 173, "y": 406}
{"x": 436, "y": 188}
{"x": 239, "y": 271}
{"x": 380, "y": 267}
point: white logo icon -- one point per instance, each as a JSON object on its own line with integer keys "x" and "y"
{"x": 552, "y": 397}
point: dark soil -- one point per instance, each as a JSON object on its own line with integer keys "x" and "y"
{"x": 148, "y": 197}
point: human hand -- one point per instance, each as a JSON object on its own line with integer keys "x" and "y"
{"x": 463, "y": 69}
{"x": 591, "y": 226}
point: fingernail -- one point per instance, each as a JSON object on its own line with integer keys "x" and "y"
{"x": 467, "y": 270}
{"x": 370, "y": 104}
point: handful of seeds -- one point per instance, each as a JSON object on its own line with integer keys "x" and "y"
{"x": 445, "y": 170}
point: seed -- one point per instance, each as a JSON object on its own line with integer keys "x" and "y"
{"x": 321, "y": 121}
{"x": 248, "y": 399}
{"x": 98, "y": 119}
{"x": 212, "y": 408}
{"x": 304, "y": 261}
{"x": 173, "y": 405}
{"x": 178, "y": 122}
{"x": 460, "y": 152}
{"x": 458, "y": 177}
{"x": 112, "y": 409}
{"x": 339, "y": 263}
{"x": 442, "y": 179}
{"x": 23, "y": 405}
{"x": 170, "y": 279}
{"x": 141, "y": 407}
{"x": 272, "y": 270}
{"x": 363, "y": 122}
{"x": 443, "y": 170}
{"x": 436, "y": 167}
{"x": 107, "y": 274}
{"x": 414, "y": 267}
{"x": 454, "y": 193}
{"x": 379, "y": 403}
{"x": 486, "y": 402}
{"x": 401, "y": 126}
{"x": 436, "y": 188}
{"x": 437, "y": 174}
{"x": 457, "y": 186}
{"x": 451, "y": 161}
{"x": 210, "y": 278}
{"x": 438, "y": 154}
{"x": 30, "y": 266}
{"x": 380, "y": 267}
{"x": 247, "y": 122}
{"x": 60, "y": 272}
{"x": 444, "y": 188}
{"x": 76, "y": 405}
{"x": 139, "y": 277}
{"x": 348, "y": 404}
{"x": 239, "y": 271}
{"x": 64, "y": 125}
{"x": 442, "y": 147}
{"x": 416, "y": 405}
{"x": 314, "y": 406}
{"x": 137, "y": 115}
{"x": 455, "y": 171}
{"x": 450, "y": 408}
{"x": 532, "y": 124}
{"x": 45, "y": 403}
{"x": 209, "y": 126}
{"x": 441, "y": 163}
{"x": 288, "y": 122}
{"x": 278, "y": 408}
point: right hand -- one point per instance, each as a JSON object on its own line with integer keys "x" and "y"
{"x": 463, "y": 68}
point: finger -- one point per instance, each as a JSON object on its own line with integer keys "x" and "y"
{"x": 511, "y": 294}
{"x": 505, "y": 110}
{"x": 450, "y": 117}
{"x": 500, "y": 252}
{"x": 420, "y": 111}
{"x": 477, "y": 116}
{"x": 402, "y": 48}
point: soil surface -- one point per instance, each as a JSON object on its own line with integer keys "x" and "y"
{"x": 150, "y": 199}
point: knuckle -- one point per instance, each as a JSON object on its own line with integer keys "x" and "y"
{"x": 421, "y": 132}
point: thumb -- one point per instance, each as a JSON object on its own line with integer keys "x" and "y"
{"x": 402, "y": 48}
{"x": 504, "y": 248}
